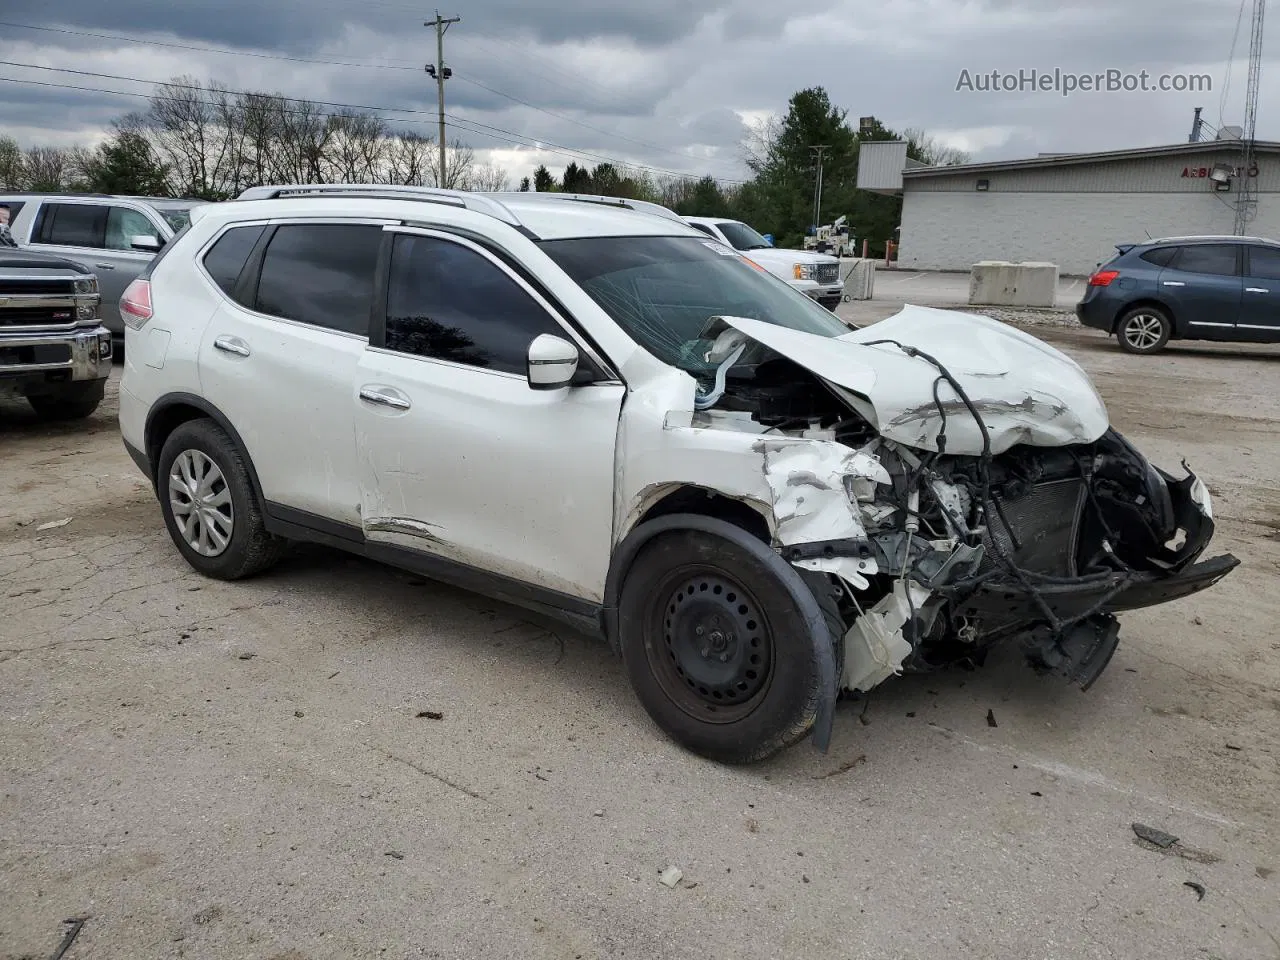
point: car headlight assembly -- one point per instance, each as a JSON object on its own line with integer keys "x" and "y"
{"x": 804, "y": 271}
{"x": 87, "y": 286}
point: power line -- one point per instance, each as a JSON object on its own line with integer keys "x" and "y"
{"x": 222, "y": 50}
{"x": 497, "y": 133}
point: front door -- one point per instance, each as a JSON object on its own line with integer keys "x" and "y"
{"x": 1260, "y": 308}
{"x": 1203, "y": 287}
{"x": 459, "y": 457}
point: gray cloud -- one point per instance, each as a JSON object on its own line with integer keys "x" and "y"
{"x": 664, "y": 83}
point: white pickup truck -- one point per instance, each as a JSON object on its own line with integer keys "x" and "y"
{"x": 816, "y": 275}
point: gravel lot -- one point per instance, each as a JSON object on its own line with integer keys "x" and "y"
{"x": 340, "y": 760}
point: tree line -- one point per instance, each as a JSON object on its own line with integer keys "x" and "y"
{"x": 206, "y": 142}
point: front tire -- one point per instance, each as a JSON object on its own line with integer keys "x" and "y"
{"x": 716, "y": 648}
{"x": 75, "y": 402}
{"x": 210, "y": 509}
{"x": 1144, "y": 330}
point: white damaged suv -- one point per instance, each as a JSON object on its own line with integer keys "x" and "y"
{"x": 584, "y": 406}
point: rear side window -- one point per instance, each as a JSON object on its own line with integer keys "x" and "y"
{"x": 446, "y": 301}
{"x": 1160, "y": 256}
{"x": 1264, "y": 263}
{"x": 227, "y": 257}
{"x": 73, "y": 225}
{"x": 321, "y": 274}
{"x": 1213, "y": 258}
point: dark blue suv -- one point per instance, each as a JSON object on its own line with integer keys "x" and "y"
{"x": 1193, "y": 288}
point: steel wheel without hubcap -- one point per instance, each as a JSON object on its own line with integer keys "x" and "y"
{"x": 201, "y": 503}
{"x": 715, "y": 661}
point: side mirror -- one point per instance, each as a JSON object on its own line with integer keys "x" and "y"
{"x": 552, "y": 362}
{"x": 144, "y": 243}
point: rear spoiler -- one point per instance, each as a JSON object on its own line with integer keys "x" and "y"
{"x": 1124, "y": 248}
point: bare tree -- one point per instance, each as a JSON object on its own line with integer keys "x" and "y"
{"x": 459, "y": 160}
{"x": 45, "y": 169}
{"x": 408, "y": 160}
{"x": 487, "y": 178}
{"x": 357, "y": 147}
{"x": 930, "y": 150}
{"x": 11, "y": 175}
{"x": 759, "y": 146}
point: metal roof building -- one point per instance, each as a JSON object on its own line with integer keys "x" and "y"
{"x": 1069, "y": 209}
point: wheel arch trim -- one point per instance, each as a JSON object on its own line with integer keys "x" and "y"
{"x": 178, "y": 399}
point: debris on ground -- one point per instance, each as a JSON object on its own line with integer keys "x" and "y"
{"x": 298, "y": 713}
{"x": 1197, "y": 887}
{"x": 1264, "y": 873}
{"x": 1036, "y": 793}
{"x": 1158, "y": 837}
{"x": 332, "y": 675}
{"x": 1232, "y": 746}
{"x": 671, "y": 876}
{"x": 688, "y": 884}
{"x": 753, "y": 825}
{"x": 247, "y": 655}
{"x": 598, "y": 813}
{"x": 68, "y": 938}
{"x": 53, "y": 524}
{"x": 991, "y": 718}
{"x": 394, "y": 854}
{"x": 430, "y": 715}
{"x": 843, "y": 768}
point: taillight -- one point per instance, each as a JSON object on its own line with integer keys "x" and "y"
{"x": 1103, "y": 278}
{"x": 135, "y": 305}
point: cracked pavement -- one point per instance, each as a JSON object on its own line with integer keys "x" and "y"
{"x": 211, "y": 770}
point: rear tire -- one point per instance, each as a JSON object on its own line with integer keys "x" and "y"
{"x": 716, "y": 649}
{"x": 1144, "y": 330}
{"x": 209, "y": 506}
{"x": 76, "y": 402}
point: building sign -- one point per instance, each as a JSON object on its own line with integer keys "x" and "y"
{"x": 1206, "y": 171}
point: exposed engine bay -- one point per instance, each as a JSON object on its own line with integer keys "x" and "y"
{"x": 938, "y": 556}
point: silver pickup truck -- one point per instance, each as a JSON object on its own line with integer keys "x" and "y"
{"x": 54, "y": 349}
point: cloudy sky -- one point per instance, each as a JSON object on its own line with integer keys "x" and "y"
{"x": 667, "y": 84}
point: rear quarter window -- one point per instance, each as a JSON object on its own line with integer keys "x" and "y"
{"x": 1160, "y": 256}
{"x": 226, "y": 258}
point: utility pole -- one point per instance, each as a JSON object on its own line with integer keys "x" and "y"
{"x": 441, "y": 74}
{"x": 1196, "y": 125}
{"x": 818, "y": 149}
{"x": 1247, "y": 202}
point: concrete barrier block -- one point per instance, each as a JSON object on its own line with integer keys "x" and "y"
{"x": 859, "y": 278}
{"x": 1001, "y": 283}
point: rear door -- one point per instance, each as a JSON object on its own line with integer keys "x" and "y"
{"x": 279, "y": 356}
{"x": 1203, "y": 286}
{"x": 1260, "y": 307}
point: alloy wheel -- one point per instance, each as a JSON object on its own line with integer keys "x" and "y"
{"x": 1143, "y": 331}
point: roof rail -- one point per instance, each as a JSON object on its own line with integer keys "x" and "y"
{"x": 480, "y": 203}
{"x": 640, "y": 206}
{"x": 1214, "y": 236}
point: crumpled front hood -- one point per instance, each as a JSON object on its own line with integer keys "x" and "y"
{"x": 1025, "y": 390}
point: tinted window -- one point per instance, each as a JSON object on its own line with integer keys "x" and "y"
{"x": 74, "y": 224}
{"x": 447, "y": 301}
{"x": 124, "y": 224}
{"x": 321, "y": 274}
{"x": 704, "y": 228}
{"x": 1160, "y": 256}
{"x": 227, "y": 257}
{"x": 1264, "y": 263}
{"x": 741, "y": 236}
{"x": 1216, "y": 258}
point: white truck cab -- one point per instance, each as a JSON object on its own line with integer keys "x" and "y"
{"x": 816, "y": 275}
